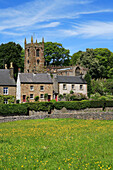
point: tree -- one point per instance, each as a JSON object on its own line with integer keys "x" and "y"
{"x": 75, "y": 57}
{"x": 105, "y": 58}
{"x": 11, "y": 52}
{"x": 88, "y": 60}
{"x": 56, "y": 54}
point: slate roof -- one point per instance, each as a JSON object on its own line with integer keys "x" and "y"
{"x": 35, "y": 78}
{"x": 5, "y": 79}
{"x": 71, "y": 79}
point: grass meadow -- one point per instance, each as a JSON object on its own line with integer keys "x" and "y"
{"x": 53, "y": 144}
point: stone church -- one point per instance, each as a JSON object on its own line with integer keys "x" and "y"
{"x": 38, "y": 79}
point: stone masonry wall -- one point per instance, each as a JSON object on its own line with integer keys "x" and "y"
{"x": 11, "y": 90}
{"x": 25, "y": 90}
{"x": 96, "y": 114}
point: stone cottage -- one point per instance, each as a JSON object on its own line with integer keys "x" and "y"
{"x": 64, "y": 84}
{"x": 7, "y": 82}
{"x": 30, "y": 85}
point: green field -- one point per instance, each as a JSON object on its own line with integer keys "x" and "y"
{"x": 52, "y": 144}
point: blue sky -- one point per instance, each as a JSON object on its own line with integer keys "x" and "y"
{"x": 77, "y": 24}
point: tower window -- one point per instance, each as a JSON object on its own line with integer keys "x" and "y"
{"x": 28, "y": 52}
{"x": 28, "y": 61}
{"x": 37, "y": 52}
{"x": 38, "y": 61}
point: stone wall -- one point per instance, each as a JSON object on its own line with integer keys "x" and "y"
{"x": 25, "y": 90}
{"x": 11, "y": 90}
{"x": 92, "y": 113}
{"x": 90, "y": 116}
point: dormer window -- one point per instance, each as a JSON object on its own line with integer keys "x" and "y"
{"x": 37, "y": 52}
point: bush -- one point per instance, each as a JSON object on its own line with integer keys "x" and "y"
{"x": 36, "y": 98}
{"x": 53, "y": 101}
{"x": 41, "y": 106}
{"x": 72, "y": 105}
{"x": 13, "y": 109}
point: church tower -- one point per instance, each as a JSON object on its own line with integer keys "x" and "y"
{"x": 34, "y": 57}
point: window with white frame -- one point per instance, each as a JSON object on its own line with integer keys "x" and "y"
{"x": 64, "y": 87}
{"x": 5, "y": 101}
{"x": 41, "y": 88}
{"x": 81, "y": 87}
{"x": 31, "y": 96}
{"x": 5, "y": 90}
{"x": 31, "y": 88}
{"x": 73, "y": 86}
{"x": 41, "y": 96}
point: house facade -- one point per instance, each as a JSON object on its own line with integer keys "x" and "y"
{"x": 30, "y": 85}
{"x": 64, "y": 84}
{"x": 7, "y": 82}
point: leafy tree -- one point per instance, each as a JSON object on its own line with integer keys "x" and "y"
{"x": 75, "y": 57}
{"x": 105, "y": 58}
{"x": 88, "y": 60}
{"x": 56, "y": 54}
{"x": 11, "y": 52}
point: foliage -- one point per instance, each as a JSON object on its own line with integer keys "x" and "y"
{"x": 77, "y": 97}
{"x": 56, "y": 54}
{"x": 98, "y": 86}
{"x": 78, "y": 105}
{"x": 75, "y": 57}
{"x": 53, "y": 101}
{"x": 40, "y": 106}
{"x": 99, "y": 61}
{"x": 11, "y": 52}
{"x": 102, "y": 86}
{"x": 27, "y": 98}
{"x": 72, "y": 105}
{"x": 36, "y": 98}
{"x": 46, "y": 96}
{"x": 13, "y": 109}
{"x": 11, "y": 99}
{"x": 60, "y": 96}
{"x": 71, "y": 92}
{"x": 88, "y": 80}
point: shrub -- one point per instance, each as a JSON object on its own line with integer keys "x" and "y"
{"x": 13, "y": 109}
{"x": 53, "y": 101}
{"x": 40, "y": 106}
{"x": 36, "y": 98}
{"x": 72, "y": 105}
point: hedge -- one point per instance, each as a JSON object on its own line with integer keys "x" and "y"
{"x": 23, "y": 109}
{"x": 78, "y": 105}
{"x": 40, "y": 106}
{"x": 13, "y": 109}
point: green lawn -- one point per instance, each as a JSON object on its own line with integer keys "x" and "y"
{"x": 56, "y": 144}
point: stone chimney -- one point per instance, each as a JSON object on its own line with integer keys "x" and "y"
{"x": 5, "y": 66}
{"x": 11, "y": 70}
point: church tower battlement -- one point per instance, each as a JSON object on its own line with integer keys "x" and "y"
{"x": 34, "y": 57}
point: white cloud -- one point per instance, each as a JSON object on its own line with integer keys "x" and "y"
{"x": 42, "y": 14}
{"x": 91, "y": 29}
